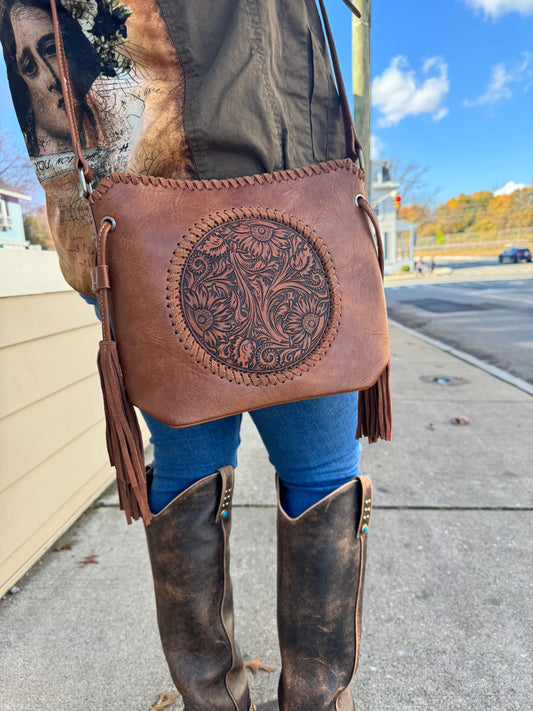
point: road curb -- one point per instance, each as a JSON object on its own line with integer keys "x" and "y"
{"x": 472, "y": 360}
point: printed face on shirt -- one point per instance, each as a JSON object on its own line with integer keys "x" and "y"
{"x": 128, "y": 93}
{"x": 37, "y": 65}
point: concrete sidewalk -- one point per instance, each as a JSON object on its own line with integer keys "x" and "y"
{"x": 448, "y": 613}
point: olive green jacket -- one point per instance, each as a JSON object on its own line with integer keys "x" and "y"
{"x": 173, "y": 88}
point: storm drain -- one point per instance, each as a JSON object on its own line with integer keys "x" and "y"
{"x": 443, "y": 380}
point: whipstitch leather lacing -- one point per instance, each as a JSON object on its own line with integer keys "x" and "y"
{"x": 284, "y": 175}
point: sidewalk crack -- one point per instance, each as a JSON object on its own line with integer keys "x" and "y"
{"x": 400, "y": 507}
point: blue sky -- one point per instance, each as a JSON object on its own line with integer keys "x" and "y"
{"x": 466, "y": 66}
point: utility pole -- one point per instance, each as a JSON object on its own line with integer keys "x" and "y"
{"x": 361, "y": 79}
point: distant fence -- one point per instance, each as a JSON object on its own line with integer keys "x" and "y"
{"x": 481, "y": 243}
{"x": 496, "y": 237}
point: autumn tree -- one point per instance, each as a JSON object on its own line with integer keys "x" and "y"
{"x": 15, "y": 167}
{"x": 523, "y": 207}
{"x": 414, "y": 184}
{"x": 37, "y": 231}
{"x": 475, "y": 213}
{"x": 17, "y": 170}
{"x": 414, "y": 213}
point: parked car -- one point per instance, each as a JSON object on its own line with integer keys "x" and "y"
{"x": 515, "y": 254}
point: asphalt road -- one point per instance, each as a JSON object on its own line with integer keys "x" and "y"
{"x": 486, "y": 311}
{"x": 468, "y": 263}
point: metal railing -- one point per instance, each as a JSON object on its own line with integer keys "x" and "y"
{"x": 463, "y": 239}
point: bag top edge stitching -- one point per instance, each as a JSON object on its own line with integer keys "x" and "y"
{"x": 113, "y": 178}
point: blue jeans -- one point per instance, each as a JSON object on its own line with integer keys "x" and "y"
{"x": 310, "y": 443}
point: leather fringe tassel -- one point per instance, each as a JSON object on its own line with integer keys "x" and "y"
{"x": 124, "y": 439}
{"x": 375, "y": 409}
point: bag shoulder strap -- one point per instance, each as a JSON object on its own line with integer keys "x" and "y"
{"x": 354, "y": 149}
{"x": 81, "y": 166}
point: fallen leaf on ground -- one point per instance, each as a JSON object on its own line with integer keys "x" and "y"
{"x": 460, "y": 421}
{"x": 66, "y": 546}
{"x": 255, "y": 666}
{"x": 89, "y": 559}
{"x": 167, "y": 698}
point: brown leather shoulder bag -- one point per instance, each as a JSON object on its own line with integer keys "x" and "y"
{"x": 232, "y": 295}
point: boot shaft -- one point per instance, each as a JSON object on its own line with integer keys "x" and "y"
{"x": 188, "y": 544}
{"x": 321, "y": 561}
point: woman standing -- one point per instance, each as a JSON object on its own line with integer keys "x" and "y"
{"x": 249, "y": 88}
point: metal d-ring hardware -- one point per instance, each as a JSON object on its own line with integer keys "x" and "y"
{"x": 356, "y": 199}
{"x": 86, "y": 188}
{"x": 111, "y": 221}
{"x": 361, "y": 159}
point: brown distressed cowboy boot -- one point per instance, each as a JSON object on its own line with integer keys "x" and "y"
{"x": 321, "y": 563}
{"x": 188, "y": 544}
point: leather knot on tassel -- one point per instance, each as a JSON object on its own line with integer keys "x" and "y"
{"x": 124, "y": 439}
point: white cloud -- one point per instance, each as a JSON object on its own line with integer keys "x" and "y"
{"x": 440, "y": 114}
{"x": 509, "y": 188}
{"x": 398, "y": 92}
{"x": 497, "y": 89}
{"x": 502, "y": 76}
{"x": 497, "y": 8}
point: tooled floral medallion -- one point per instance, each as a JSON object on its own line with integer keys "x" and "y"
{"x": 254, "y": 290}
